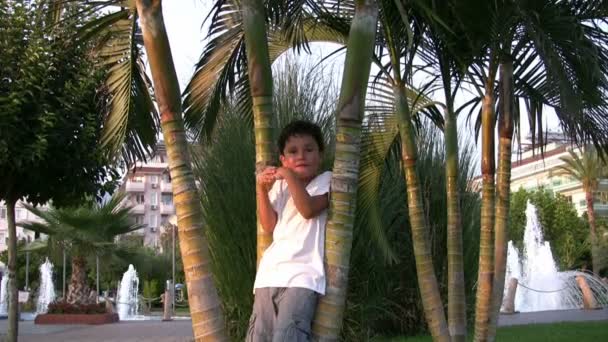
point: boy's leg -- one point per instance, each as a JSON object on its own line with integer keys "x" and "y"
{"x": 261, "y": 323}
{"x": 296, "y": 310}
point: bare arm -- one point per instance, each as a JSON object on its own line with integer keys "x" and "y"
{"x": 266, "y": 213}
{"x": 308, "y": 206}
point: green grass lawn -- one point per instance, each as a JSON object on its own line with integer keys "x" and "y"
{"x": 555, "y": 332}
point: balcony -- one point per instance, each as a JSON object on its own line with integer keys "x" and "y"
{"x": 566, "y": 186}
{"x": 167, "y": 209}
{"x": 138, "y": 208}
{"x": 166, "y": 187}
{"x": 135, "y": 187}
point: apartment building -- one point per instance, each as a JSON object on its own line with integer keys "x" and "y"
{"x": 531, "y": 170}
{"x": 149, "y": 192}
{"x": 21, "y": 215}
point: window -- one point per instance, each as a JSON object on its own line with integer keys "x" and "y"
{"x": 164, "y": 220}
{"x": 569, "y": 199}
{"x": 140, "y": 198}
{"x": 2, "y": 238}
{"x": 154, "y": 198}
{"x": 3, "y": 213}
{"x": 153, "y": 221}
{"x": 139, "y": 219}
{"x": 137, "y": 179}
{"x": 153, "y": 179}
{"x": 166, "y": 177}
{"x": 600, "y": 197}
{"x": 582, "y": 203}
{"x": 167, "y": 199}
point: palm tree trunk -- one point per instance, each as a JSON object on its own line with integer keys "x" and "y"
{"x": 260, "y": 80}
{"x": 13, "y": 299}
{"x": 503, "y": 190}
{"x": 78, "y": 290}
{"x": 427, "y": 281}
{"x": 591, "y": 217}
{"x": 486, "y": 238}
{"x": 457, "y": 321}
{"x": 339, "y": 231}
{"x": 205, "y": 309}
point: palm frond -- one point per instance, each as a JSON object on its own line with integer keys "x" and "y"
{"x": 132, "y": 123}
{"x": 35, "y": 245}
{"x": 221, "y": 73}
{"x": 87, "y": 228}
{"x": 586, "y": 168}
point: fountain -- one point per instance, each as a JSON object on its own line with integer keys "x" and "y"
{"x": 46, "y": 291}
{"x": 4, "y": 295}
{"x": 127, "y": 301}
{"x": 536, "y": 269}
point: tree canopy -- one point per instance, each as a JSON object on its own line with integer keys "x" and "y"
{"x": 51, "y": 106}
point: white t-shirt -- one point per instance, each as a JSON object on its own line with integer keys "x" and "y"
{"x": 295, "y": 257}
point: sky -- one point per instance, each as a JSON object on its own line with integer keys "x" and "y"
{"x": 184, "y": 19}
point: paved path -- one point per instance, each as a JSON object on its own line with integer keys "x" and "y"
{"x": 181, "y": 330}
{"x": 130, "y": 331}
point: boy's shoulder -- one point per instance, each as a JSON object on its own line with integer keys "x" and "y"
{"x": 323, "y": 177}
{"x": 325, "y": 174}
{"x": 320, "y": 184}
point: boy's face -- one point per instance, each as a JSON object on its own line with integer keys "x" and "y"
{"x": 301, "y": 154}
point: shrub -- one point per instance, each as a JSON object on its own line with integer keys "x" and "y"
{"x": 62, "y": 307}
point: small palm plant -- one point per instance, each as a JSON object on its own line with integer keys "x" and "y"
{"x": 83, "y": 231}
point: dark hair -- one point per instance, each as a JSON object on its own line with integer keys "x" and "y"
{"x": 301, "y": 127}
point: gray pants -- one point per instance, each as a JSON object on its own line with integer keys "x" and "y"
{"x": 282, "y": 314}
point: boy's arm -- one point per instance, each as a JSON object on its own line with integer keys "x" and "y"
{"x": 308, "y": 206}
{"x": 266, "y": 213}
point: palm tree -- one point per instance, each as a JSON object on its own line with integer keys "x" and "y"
{"x": 205, "y": 308}
{"x": 260, "y": 80}
{"x": 327, "y": 324}
{"x": 395, "y": 14}
{"x": 588, "y": 169}
{"x": 447, "y": 51}
{"x": 81, "y": 231}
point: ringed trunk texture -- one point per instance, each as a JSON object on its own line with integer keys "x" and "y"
{"x": 205, "y": 308}
{"x": 485, "y": 279}
{"x": 595, "y": 258}
{"x": 457, "y": 322}
{"x": 13, "y": 299}
{"x": 260, "y": 80}
{"x": 503, "y": 190}
{"x": 78, "y": 291}
{"x": 327, "y": 323}
{"x": 427, "y": 281}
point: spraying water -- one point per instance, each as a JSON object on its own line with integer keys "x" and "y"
{"x": 536, "y": 269}
{"x": 46, "y": 292}
{"x": 127, "y": 301}
{"x": 4, "y": 295}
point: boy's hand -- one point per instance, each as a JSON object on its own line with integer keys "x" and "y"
{"x": 266, "y": 178}
{"x": 282, "y": 173}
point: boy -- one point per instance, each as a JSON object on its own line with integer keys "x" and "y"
{"x": 292, "y": 201}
